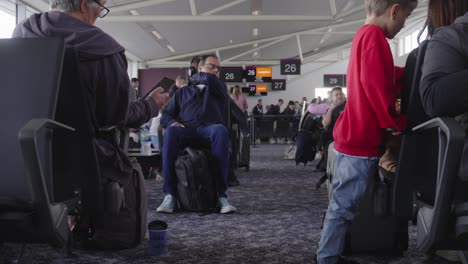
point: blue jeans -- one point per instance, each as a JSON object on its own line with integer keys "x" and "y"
{"x": 177, "y": 138}
{"x": 349, "y": 183}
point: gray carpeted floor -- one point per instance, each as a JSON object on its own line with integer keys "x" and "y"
{"x": 278, "y": 221}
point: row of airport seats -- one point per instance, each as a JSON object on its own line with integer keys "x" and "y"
{"x": 275, "y": 126}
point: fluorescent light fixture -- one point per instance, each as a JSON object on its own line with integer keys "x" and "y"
{"x": 171, "y": 48}
{"x": 134, "y": 12}
{"x": 255, "y": 32}
{"x": 325, "y": 38}
{"x": 157, "y": 34}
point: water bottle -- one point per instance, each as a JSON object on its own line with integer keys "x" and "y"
{"x": 145, "y": 140}
{"x": 155, "y": 142}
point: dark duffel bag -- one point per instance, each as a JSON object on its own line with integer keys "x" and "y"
{"x": 122, "y": 221}
{"x": 196, "y": 187}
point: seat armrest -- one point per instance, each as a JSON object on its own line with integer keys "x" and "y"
{"x": 53, "y": 216}
{"x": 451, "y": 142}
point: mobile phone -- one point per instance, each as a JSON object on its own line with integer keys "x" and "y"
{"x": 165, "y": 83}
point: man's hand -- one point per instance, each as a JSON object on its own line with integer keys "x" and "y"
{"x": 159, "y": 97}
{"x": 177, "y": 124}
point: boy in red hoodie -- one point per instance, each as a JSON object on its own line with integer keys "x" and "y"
{"x": 368, "y": 116}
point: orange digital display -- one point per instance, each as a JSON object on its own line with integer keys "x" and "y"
{"x": 261, "y": 88}
{"x": 264, "y": 72}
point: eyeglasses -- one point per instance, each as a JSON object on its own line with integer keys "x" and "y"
{"x": 104, "y": 10}
{"x": 213, "y": 66}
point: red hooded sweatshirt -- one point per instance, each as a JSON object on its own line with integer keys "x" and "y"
{"x": 372, "y": 91}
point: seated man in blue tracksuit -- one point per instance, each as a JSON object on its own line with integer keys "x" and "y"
{"x": 194, "y": 112}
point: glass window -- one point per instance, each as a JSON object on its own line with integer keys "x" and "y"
{"x": 8, "y": 23}
{"x": 401, "y": 47}
{"x": 407, "y": 44}
{"x": 414, "y": 40}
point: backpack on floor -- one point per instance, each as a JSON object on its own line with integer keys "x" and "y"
{"x": 196, "y": 187}
{"x": 122, "y": 222}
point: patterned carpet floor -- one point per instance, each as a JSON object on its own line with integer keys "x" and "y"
{"x": 278, "y": 221}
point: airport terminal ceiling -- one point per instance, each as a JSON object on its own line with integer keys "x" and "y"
{"x": 166, "y": 33}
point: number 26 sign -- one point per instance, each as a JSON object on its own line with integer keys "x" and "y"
{"x": 290, "y": 67}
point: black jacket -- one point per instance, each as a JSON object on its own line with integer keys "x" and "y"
{"x": 444, "y": 83}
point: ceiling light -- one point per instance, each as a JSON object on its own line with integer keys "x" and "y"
{"x": 316, "y": 49}
{"x": 255, "y": 45}
{"x": 254, "y": 32}
{"x": 171, "y": 48}
{"x": 157, "y": 34}
{"x": 134, "y": 12}
{"x": 231, "y": 41}
{"x": 255, "y": 13}
{"x": 325, "y": 38}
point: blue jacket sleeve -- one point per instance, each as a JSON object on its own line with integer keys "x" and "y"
{"x": 170, "y": 112}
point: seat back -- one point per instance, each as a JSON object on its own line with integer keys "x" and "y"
{"x": 266, "y": 126}
{"x": 414, "y": 168}
{"x": 75, "y": 160}
{"x": 415, "y": 113}
{"x": 31, "y": 84}
{"x": 283, "y": 127}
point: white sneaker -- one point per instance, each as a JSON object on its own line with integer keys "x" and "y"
{"x": 226, "y": 207}
{"x": 168, "y": 205}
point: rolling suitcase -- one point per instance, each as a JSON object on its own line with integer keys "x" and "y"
{"x": 375, "y": 229}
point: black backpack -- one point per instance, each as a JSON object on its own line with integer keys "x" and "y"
{"x": 196, "y": 187}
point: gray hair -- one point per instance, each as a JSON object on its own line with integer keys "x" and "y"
{"x": 179, "y": 78}
{"x": 67, "y": 5}
{"x": 378, "y": 7}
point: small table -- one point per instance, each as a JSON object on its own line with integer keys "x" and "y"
{"x": 146, "y": 160}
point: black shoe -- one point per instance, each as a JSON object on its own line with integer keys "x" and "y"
{"x": 320, "y": 181}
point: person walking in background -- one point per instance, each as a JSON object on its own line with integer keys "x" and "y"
{"x": 135, "y": 84}
{"x": 239, "y": 98}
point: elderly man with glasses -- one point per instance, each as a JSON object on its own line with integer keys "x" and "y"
{"x": 194, "y": 113}
{"x": 103, "y": 72}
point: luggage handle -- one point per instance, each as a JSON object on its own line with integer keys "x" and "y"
{"x": 190, "y": 152}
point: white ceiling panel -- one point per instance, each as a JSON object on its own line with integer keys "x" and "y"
{"x": 226, "y": 26}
